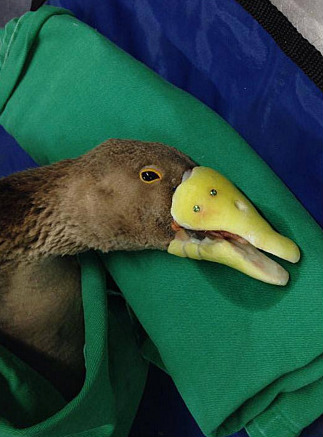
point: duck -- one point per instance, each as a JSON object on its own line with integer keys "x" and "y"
{"x": 122, "y": 195}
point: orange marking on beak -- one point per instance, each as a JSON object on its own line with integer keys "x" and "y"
{"x": 176, "y": 227}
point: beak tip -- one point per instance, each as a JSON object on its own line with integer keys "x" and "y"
{"x": 285, "y": 280}
{"x": 296, "y": 255}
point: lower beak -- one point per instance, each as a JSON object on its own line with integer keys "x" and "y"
{"x": 214, "y": 221}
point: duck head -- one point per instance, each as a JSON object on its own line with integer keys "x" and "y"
{"x": 158, "y": 198}
{"x": 133, "y": 195}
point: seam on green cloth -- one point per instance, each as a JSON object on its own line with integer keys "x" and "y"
{"x": 294, "y": 426}
{"x": 11, "y": 40}
{"x": 276, "y": 415}
{"x": 265, "y": 412}
{"x": 18, "y": 48}
{"x": 3, "y": 44}
{"x": 2, "y": 41}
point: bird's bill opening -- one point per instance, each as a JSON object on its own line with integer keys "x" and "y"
{"x": 214, "y": 221}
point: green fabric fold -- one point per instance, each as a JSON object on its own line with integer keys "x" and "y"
{"x": 242, "y": 353}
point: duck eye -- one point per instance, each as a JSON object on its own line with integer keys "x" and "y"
{"x": 149, "y": 175}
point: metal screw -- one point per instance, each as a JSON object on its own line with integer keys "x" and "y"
{"x": 213, "y": 192}
{"x": 196, "y": 208}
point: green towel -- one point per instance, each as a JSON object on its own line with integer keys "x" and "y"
{"x": 241, "y": 353}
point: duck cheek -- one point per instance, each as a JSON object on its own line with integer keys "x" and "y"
{"x": 158, "y": 232}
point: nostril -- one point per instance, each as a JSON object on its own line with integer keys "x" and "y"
{"x": 240, "y": 205}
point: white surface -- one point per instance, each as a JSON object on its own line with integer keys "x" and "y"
{"x": 306, "y": 16}
{"x": 12, "y": 8}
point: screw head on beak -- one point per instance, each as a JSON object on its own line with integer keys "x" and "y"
{"x": 196, "y": 208}
{"x": 213, "y": 192}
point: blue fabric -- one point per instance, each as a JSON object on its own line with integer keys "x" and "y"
{"x": 216, "y": 51}
{"x": 12, "y": 157}
{"x": 220, "y": 54}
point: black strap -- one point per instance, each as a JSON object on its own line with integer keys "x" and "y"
{"x": 35, "y": 4}
{"x": 296, "y": 47}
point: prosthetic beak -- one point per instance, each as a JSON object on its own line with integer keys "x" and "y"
{"x": 214, "y": 221}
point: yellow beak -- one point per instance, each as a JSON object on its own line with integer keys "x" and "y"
{"x": 216, "y": 222}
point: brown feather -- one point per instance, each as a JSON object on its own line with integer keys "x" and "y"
{"x": 48, "y": 214}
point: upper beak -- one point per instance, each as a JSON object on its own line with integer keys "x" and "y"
{"x": 216, "y": 222}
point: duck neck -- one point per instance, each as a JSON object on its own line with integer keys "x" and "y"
{"x": 38, "y": 215}
{"x": 41, "y": 319}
